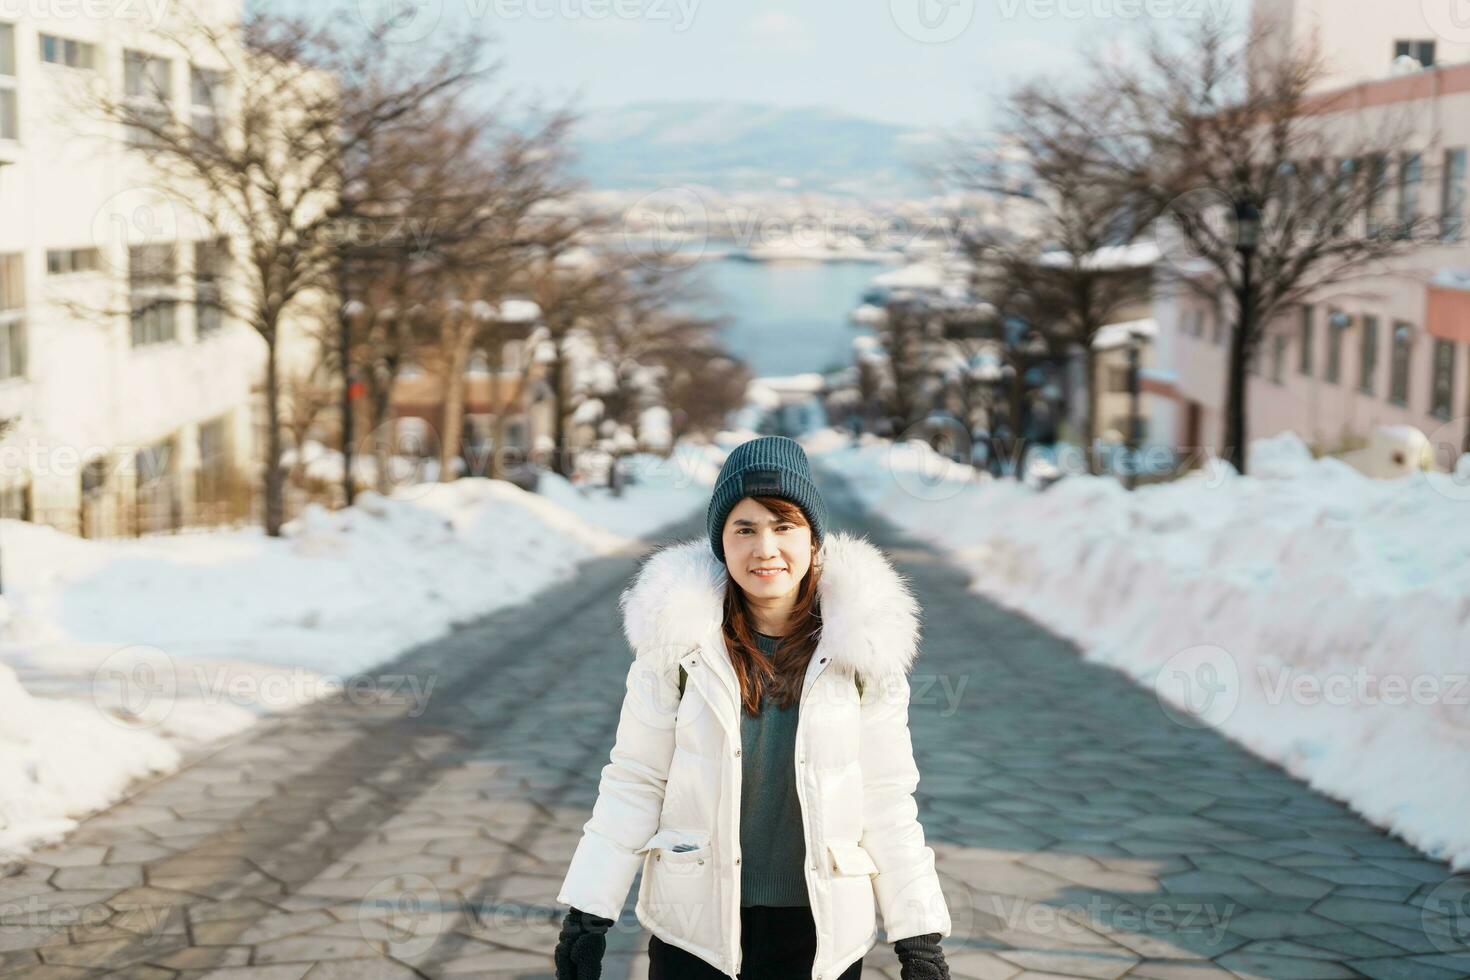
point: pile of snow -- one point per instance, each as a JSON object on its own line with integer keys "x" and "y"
{"x": 1317, "y": 616}
{"x": 118, "y": 656}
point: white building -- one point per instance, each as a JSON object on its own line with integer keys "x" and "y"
{"x": 1360, "y": 40}
{"x": 126, "y": 395}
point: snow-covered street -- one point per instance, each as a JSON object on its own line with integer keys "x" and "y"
{"x": 1306, "y": 611}
{"x": 120, "y": 658}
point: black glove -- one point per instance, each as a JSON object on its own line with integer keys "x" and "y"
{"x": 580, "y": 945}
{"x": 920, "y": 958}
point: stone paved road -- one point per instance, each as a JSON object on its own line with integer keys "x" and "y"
{"x": 1080, "y": 832}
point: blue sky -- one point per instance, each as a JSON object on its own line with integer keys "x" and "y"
{"x": 924, "y": 62}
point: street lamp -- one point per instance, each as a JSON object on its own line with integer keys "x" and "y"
{"x": 1135, "y": 345}
{"x": 1247, "y": 237}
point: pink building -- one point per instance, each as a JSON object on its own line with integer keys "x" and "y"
{"x": 1391, "y": 349}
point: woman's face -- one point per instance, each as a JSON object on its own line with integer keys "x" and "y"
{"x": 755, "y": 538}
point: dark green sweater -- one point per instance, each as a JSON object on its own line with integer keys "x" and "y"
{"x": 772, "y": 839}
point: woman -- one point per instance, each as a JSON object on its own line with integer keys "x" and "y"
{"x": 762, "y": 776}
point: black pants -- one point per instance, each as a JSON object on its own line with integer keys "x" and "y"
{"x": 775, "y": 944}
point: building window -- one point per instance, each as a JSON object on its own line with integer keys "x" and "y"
{"x": 1452, "y": 195}
{"x": 148, "y": 91}
{"x": 516, "y": 434}
{"x": 205, "y": 87}
{"x": 1278, "y": 356}
{"x": 1398, "y": 364}
{"x": 9, "y": 113}
{"x": 1217, "y": 328}
{"x": 152, "y": 295}
{"x": 15, "y": 502}
{"x": 1253, "y": 359}
{"x": 158, "y": 503}
{"x": 214, "y": 447}
{"x": 1442, "y": 386}
{"x": 12, "y": 318}
{"x": 209, "y": 270}
{"x": 1304, "y": 342}
{"x": 1314, "y": 183}
{"x": 1368, "y": 355}
{"x": 64, "y": 261}
{"x": 1411, "y": 175}
{"x": 1347, "y": 182}
{"x": 214, "y": 479}
{"x": 1378, "y": 197}
{"x": 146, "y": 77}
{"x": 64, "y": 51}
{"x": 154, "y": 462}
{"x": 1337, "y": 323}
{"x": 1117, "y": 378}
{"x": 1420, "y": 51}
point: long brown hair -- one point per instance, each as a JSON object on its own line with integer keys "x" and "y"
{"x": 779, "y": 676}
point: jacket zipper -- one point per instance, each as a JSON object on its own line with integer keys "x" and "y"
{"x": 807, "y": 871}
{"x": 806, "y": 829}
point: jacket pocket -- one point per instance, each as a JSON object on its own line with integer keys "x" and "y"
{"x": 678, "y": 846}
{"x": 849, "y": 858}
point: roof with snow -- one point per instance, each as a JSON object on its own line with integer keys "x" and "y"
{"x": 1116, "y": 334}
{"x": 1136, "y": 255}
{"x": 1451, "y": 278}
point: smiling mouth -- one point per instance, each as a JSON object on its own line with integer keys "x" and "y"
{"x": 767, "y": 573}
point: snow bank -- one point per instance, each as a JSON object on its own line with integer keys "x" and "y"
{"x": 117, "y": 656}
{"x": 1316, "y": 616}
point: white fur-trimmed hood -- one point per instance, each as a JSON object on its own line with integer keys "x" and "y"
{"x": 870, "y": 618}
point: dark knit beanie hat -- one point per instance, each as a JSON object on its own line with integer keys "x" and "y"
{"x": 771, "y": 466}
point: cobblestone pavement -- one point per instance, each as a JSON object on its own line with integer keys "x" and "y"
{"x": 1080, "y": 832}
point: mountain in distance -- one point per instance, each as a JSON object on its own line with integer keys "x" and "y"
{"x": 747, "y": 147}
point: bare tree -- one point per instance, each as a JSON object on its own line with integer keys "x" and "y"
{"x": 1070, "y": 258}
{"x": 297, "y": 105}
{"x": 510, "y": 204}
{"x": 701, "y": 388}
{"x": 648, "y": 333}
{"x": 910, "y": 334}
{"x": 398, "y": 325}
{"x": 306, "y": 395}
{"x": 573, "y": 285}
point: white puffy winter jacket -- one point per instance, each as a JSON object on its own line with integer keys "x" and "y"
{"x": 674, "y": 773}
